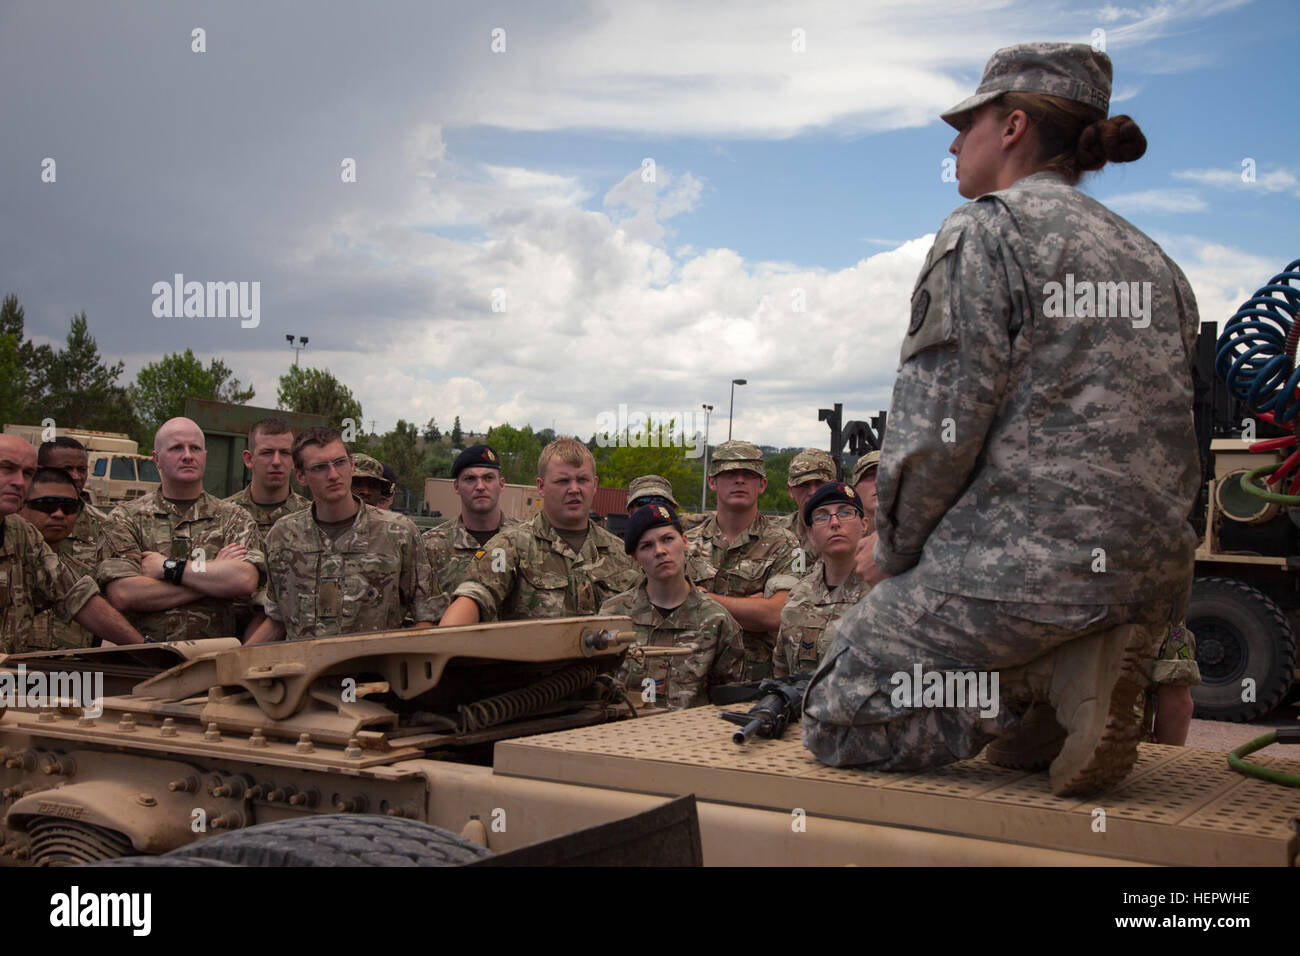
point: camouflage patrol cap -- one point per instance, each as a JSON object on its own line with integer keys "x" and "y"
{"x": 1072, "y": 71}
{"x": 810, "y": 464}
{"x": 363, "y": 466}
{"x": 648, "y": 486}
{"x": 737, "y": 456}
{"x": 868, "y": 462}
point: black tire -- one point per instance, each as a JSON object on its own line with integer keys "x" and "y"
{"x": 1240, "y": 633}
{"x": 160, "y": 861}
{"x": 338, "y": 839}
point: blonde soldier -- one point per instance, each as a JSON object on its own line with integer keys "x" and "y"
{"x": 835, "y": 516}
{"x": 70, "y": 455}
{"x": 743, "y": 559}
{"x": 668, "y": 612}
{"x": 658, "y": 490}
{"x": 809, "y": 470}
{"x": 52, "y": 508}
{"x": 32, "y": 578}
{"x": 341, "y": 566}
{"x": 175, "y": 558}
{"x": 476, "y": 477}
{"x": 558, "y": 564}
{"x": 269, "y": 496}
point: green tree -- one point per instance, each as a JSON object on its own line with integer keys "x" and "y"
{"x": 161, "y": 387}
{"x": 457, "y": 436}
{"x": 438, "y": 461}
{"x": 18, "y": 363}
{"x": 76, "y": 388}
{"x": 650, "y": 451}
{"x": 431, "y": 432}
{"x": 397, "y": 450}
{"x": 518, "y": 449}
{"x": 316, "y": 391}
{"x": 776, "y": 499}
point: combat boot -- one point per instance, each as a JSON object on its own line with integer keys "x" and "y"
{"x": 1035, "y": 743}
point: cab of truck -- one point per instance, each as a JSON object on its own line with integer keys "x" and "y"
{"x": 115, "y": 477}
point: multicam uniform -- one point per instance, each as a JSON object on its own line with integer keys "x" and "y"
{"x": 451, "y": 549}
{"x": 681, "y": 682}
{"x": 80, "y": 551}
{"x": 32, "y": 577}
{"x": 152, "y": 523}
{"x": 1022, "y": 448}
{"x": 366, "y": 579}
{"x": 808, "y": 620}
{"x": 265, "y": 516}
{"x": 1175, "y": 666}
{"x": 529, "y": 571}
{"x": 793, "y": 523}
{"x": 760, "y": 562}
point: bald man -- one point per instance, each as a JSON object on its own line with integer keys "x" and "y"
{"x": 176, "y": 558}
{"x": 32, "y": 578}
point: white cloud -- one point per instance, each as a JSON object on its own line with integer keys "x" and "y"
{"x": 1269, "y": 181}
{"x": 1222, "y": 277}
{"x": 1156, "y": 200}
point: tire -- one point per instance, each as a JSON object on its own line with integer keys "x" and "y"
{"x": 338, "y": 839}
{"x": 1240, "y": 633}
{"x": 160, "y": 861}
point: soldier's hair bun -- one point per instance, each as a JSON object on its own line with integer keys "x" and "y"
{"x": 1116, "y": 140}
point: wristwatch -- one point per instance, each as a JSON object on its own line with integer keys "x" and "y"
{"x": 173, "y": 569}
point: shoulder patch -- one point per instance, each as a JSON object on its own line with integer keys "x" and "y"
{"x": 920, "y": 305}
{"x": 479, "y": 553}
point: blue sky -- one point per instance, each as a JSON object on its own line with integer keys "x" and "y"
{"x": 779, "y": 172}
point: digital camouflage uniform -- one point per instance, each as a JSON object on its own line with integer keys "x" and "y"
{"x": 1023, "y": 450}
{"x": 265, "y": 516}
{"x": 536, "y": 574}
{"x": 152, "y": 523}
{"x": 760, "y": 562}
{"x": 681, "y": 681}
{"x": 367, "y": 579}
{"x": 451, "y": 549}
{"x": 80, "y": 551}
{"x": 808, "y": 619}
{"x": 33, "y": 578}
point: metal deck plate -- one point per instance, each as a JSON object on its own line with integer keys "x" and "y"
{"x": 1179, "y": 806}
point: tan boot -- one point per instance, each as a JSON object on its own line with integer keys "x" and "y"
{"x": 1034, "y": 745}
{"x": 1095, "y": 686}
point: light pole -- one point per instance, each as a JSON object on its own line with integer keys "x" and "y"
{"x": 704, "y": 490}
{"x": 296, "y": 348}
{"x": 731, "y": 411}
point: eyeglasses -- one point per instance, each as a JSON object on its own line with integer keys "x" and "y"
{"x": 844, "y": 514}
{"x": 323, "y": 469}
{"x": 48, "y": 504}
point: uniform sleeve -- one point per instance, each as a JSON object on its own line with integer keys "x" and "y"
{"x": 272, "y": 594}
{"x": 425, "y": 601}
{"x": 491, "y": 576}
{"x": 120, "y": 551}
{"x": 954, "y": 369}
{"x": 54, "y": 584}
{"x": 781, "y": 576}
{"x": 729, "y": 663}
{"x": 242, "y": 529}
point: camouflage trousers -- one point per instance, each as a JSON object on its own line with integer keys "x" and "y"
{"x": 855, "y": 710}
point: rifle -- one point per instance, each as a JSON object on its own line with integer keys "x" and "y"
{"x": 782, "y": 702}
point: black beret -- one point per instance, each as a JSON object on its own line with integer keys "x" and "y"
{"x": 830, "y": 493}
{"x": 475, "y": 456}
{"x": 643, "y": 519}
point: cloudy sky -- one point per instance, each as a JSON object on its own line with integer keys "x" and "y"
{"x": 561, "y": 207}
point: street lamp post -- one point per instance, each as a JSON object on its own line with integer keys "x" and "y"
{"x": 731, "y": 411}
{"x": 296, "y": 348}
{"x": 704, "y": 490}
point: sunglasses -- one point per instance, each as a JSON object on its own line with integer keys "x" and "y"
{"x": 48, "y": 504}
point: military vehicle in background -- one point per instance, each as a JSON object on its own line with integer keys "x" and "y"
{"x": 1245, "y": 607}
{"x": 520, "y": 502}
{"x": 225, "y": 430}
{"x": 117, "y": 471}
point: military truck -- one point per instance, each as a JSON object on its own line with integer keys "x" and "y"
{"x": 509, "y": 735}
{"x": 117, "y": 472}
